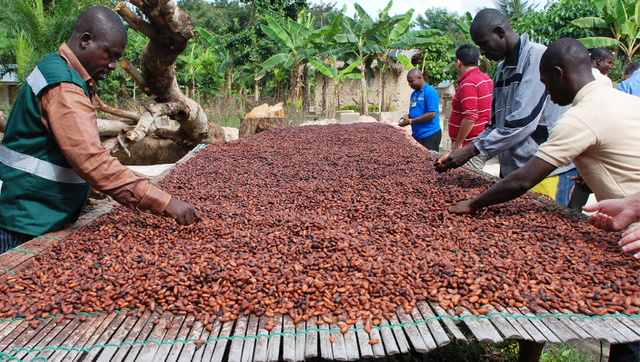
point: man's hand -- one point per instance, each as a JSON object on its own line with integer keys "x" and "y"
{"x": 612, "y": 215}
{"x": 631, "y": 240}
{"x": 462, "y": 207}
{"x": 456, "y": 158}
{"x": 404, "y": 121}
{"x": 581, "y": 184}
{"x": 183, "y": 212}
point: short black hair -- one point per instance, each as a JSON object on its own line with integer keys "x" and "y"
{"x": 631, "y": 68}
{"x": 601, "y": 53}
{"x": 101, "y": 23}
{"x": 486, "y": 20}
{"x": 468, "y": 54}
{"x": 568, "y": 54}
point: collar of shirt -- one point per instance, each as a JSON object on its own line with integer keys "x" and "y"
{"x": 73, "y": 62}
{"x": 589, "y": 87}
{"x": 468, "y": 74}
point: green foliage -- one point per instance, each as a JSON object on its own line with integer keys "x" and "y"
{"x": 555, "y": 21}
{"x": 437, "y": 60}
{"x": 351, "y": 107}
{"x": 515, "y": 9}
{"x": 564, "y": 352}
{"x": 443, "y": 20}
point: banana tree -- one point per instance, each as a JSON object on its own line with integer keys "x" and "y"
{"x": 622, "y": 18}
{"x": 220, "y": 51}
{"x": 192, "y": 59}
{"x": 326, "y": 49}
{"x": 331, "y": 71}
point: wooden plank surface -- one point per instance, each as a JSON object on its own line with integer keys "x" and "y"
{"x": 42, "y": 332}
{"x": 249, "y": 343}
{"x": 386, "y": 334}
{"x": 221, "y": 346}
{"x": 450, "y": 323}
{"x": 139, "y": 332}
{"x": 502, "y": 324}
{"x": 150, "y": 348}
{"x": 207, "y": 353}
{"x": 398, "y": 332}
{"x": 627, "y": 322}
{"x": 367, "y": 350}
{"x": 351, "y": 342}
{"x": 627, "y": 332}
{"x": 301, "y": 339}
{"x": 423, "y": 312}
{"x": 119, "y": 336}
{"x": 517, "y": 325}
{"x": 262, "y": 343}
{"x": 480, "y": 330}
{"x": 101, "y": 334}
{"x": 274, "y": 339}
{"x": 288, "y": 340}
{"x": 205, "y": 336}
{"x": 338, "y": 345}
{"x": 29, "y": 338}
{"x": 589, "y": 326}
{"x": 311, "y": 341}
{"x": 48, "y": 340}
{"x": 546, "y": 332}
{"x": 415, "y": 337}
{"x": 535, "y": 334}
{"x": 76, "y": 339}
{"x": 189, "y": 349}
{"x": 235, "y": 352}
{"x": 326, "y": 351}
{"x": 610, "y": 331}
{"x": 14, "y": 334}
{"x": 572, "y": 325}
{"x": 558, "y": 328}
{"x": 169, "y": 337}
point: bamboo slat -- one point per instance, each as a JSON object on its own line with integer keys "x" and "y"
{"x": 311, "y": 341}
{"x": 451, "y": 325}
{"x": 249, "y": 344}
{"x": 235, "y": 353}
{"x": 424, "y": 312}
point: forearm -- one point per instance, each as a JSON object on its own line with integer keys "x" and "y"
{"x": 465, "y": 128}
{"x": 634, "y": 203}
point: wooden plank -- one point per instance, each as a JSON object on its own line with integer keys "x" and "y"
{"x": 139, "y": 332}
{"x": 76, "y": 339}
{"x": 627, "y": 322}
{"x": 262, "y": 342}
{"x": 223, "y": 339}
{"x": 546, "y": 332}
{"x": 417, "y": 340}
{"x": 610, "y": 331}
{"x": 338, "y": 345}
{"x": 15, "y": 333}
{"x": 398, "y": 332}
{"x": 326, "y": 351}
{"x": 59, "y": 340}
{"x": 480, "y": 330}
{"x": 10, "y": 328}
{"x": 189, "y": 349}
{"x": 235, "y": 353}
{"x": 4, "y": 324}
{"x": 424, "y": 312}
{"x": 502, "y": 324}
{"x": 301, "y": 339}
{"x": 535, "y": 334}
{"x": 558, "y": 328}
{"x": 289, "y": 340}
{"x": 249, "y": 343}
{"x": 571, "y": 325}
{"x": 274, "y": 339}
{"x": 311, "y": 341}
{"x": 515, "y": 324}
{"x": 388, "y": 339}
{"x": 150, "y": 348}
{"x": 101, "y": 334}
{"x": 47, "y": 341}
{"x": 628, "y": 333}
{"x": 43, "y": 331}
{"x": 590, "y": 327}
{"x": 366, "y": 349}
{"x": 449, "y": 321}
{"x": 351, "y": 343}
{"x": 30, "y": 337}
{"x": 181, "y": 338}
{"x": 169, "y": 337}
{"x": 212, "y": 341}
{"x": 205, "y": 335}
{"x": 119, "y": 336}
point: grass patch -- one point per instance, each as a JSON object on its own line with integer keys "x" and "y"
{"x": 565, "y": 352}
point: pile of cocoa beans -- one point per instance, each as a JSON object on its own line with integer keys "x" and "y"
{"x": 337, "y": 222}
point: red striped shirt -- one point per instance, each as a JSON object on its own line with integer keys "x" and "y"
{"x": 472, "y": 101}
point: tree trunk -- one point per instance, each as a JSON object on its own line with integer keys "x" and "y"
{"x": 294, "y": 83}
{"x": 280, "y": 95}
{"x": 305, "y": 90}
{"x": 241, "y": 91}
{"x": 168, "y": 30}
{"x": 262, "y": 118}
{"x": 337, "y": 87}
{"x": 363, "y": 84}
{"x": 256, "y": 88}
{"x": 227, "y": 78}
{"x": 325, "y": 96}
{"x": 383, "y": 86}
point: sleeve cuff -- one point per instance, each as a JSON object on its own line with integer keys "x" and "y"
{"x": 154, "y": 201}
{"x": 478, "y": 143}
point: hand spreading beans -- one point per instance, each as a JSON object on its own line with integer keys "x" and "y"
{"x": 337, "y": 222}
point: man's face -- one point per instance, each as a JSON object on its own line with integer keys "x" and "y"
{"x": 415, "y": 82}
{"x": 604, "y": 65}
{"x": 554, "y": 83}
{"x": 99, "y": 57}
{"x": 492, "y": 44}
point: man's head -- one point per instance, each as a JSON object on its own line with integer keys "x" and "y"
{"x": 415, "y": 79}
{"x": 565, "y": 69}
{"x": 98, "y": 41}
{"x": 492, "y": 32}
{"x": 601, "y": 59}
{"x": 467, "y": 57}
{"x": 630, "y": 69}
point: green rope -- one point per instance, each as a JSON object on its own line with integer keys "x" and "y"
{"x": 23, "y": 251}
{"x": 7, "y": 270}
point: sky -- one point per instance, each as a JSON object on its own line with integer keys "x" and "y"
{"x": 372, "y": 7}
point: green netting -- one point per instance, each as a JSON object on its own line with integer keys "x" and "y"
{"x": 10, "y": 356}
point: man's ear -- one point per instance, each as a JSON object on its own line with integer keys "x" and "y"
{"x": 85, "y": 39}
{"x": 499, "y": 31}
{"x": 558, "y": 72}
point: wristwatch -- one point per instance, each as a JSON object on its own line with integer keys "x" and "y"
{"x": 410, "y": 121}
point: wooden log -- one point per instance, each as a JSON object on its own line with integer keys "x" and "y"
{"x": 366, "y": 349}
{"x": 274, "y": 339}
{"x": 311, "y": 342}
{"x": 338, "y": 345}
{"x": 288, "y": 340}
{"x": 262, "y": 343}
{"x": 326, "y": 351}
{"x": 483, "y": 332}
{"x": 558, "y": 328}
{"x": 221, "y": 346}
{"x": 237, "y": 342}
{"x": 502, "y": 324}
{"x": 351, "y": 342}
{"x": 398, "y": 332}
{"x": 207, "y": 353}
{"x": 546, "y": 332}
{"x": 249, "y": 343}
{"x": 189, "y": 349}
{"x": 139, "y": 332}
{"x": 169, "y": 336}
{"x": 390, "y": 345}
{"x": 150, "y": 347}
{"x": 415, "y": 337}
{"x": 451, "y": 325}
{"x": 262, "y": 118}
{"x": 590, "y": 327}
{"x": 301, "y": 339}
{"x": 424, "y": 312}
{"x": 572, "y": 325}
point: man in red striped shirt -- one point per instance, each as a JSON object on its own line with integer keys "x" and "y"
{"x": 472, "y": 102}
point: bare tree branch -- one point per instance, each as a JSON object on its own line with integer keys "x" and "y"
{"x": 135, "y": 74}
{"x": 101, "y": 106}
{"x": 154, "y": 111}
{"x": 140, "y": 25}
{"x": 108, "y": 127}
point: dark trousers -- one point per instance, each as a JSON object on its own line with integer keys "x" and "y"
{"x": 432, "y": 142}
{"x": 10, "y": 239}
{"x": 626, "y": 352}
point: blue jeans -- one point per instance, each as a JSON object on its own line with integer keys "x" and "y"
{"x": 565, "y": 187}
{"x": 10, "y": 239}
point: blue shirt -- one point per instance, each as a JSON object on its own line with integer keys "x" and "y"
{"x": 631, "y": 85}
{"x": 424, "y": 101}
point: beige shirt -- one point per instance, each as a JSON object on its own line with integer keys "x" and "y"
{"x": 601, "y": 77}
{"x": 601, "y": 134}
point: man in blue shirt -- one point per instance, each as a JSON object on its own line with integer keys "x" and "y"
{"x": 631, "y": 84}
{"x": 424, "y": 112}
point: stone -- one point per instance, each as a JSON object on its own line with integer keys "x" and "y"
{"x": 348, "y": 118}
